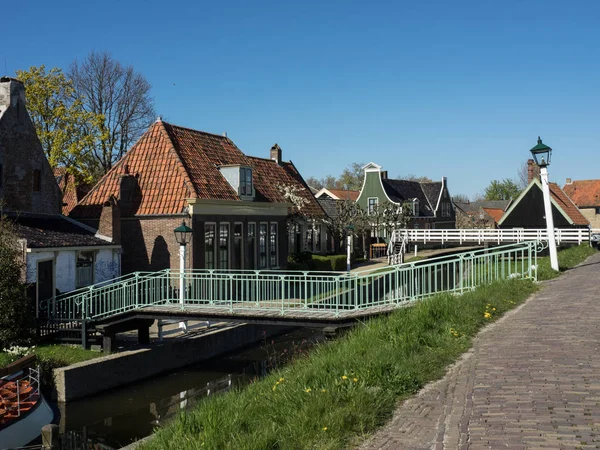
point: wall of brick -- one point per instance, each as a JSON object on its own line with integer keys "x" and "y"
{"x": 20, "y": 155}
{"x": 149, "y": 243}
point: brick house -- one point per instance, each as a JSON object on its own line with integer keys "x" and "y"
{"x": 586, "y": 195}
{"x": 59, "y": 253}
{"x": 430, "y": 202}
{"x": 231, "y": 201}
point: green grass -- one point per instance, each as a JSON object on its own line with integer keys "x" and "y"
{"x": 58, "y": 355}
{"x": 567, "y": 259}
{"x": 309, "y": 404}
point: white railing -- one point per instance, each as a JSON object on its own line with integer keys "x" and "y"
{"x": 499, "y": 236}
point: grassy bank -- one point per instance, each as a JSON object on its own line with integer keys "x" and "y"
{"x": 54, "y": 355}
{"x": 567, "y": 259}
{"x": 347, "y": 388}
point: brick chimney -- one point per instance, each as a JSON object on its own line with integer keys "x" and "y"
{"x": 128, "y": 193}
{"x": 569, "y": 181}
{"x": 384, "y": 174}
{"x": 110, "y": 220}
{"x": 533, "y": 171}
{"x": 276, "y": 153}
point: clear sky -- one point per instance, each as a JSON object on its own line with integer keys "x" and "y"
{"x": 437, "y": 88}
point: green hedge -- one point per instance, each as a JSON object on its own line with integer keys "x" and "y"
{"x": 321, "y": 263}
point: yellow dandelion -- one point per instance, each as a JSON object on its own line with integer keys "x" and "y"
{"x": 355, "y": 380}
{"x": 493, "y": 309}
{"x": 274, "y": 387}
{"x": 344, "y": 377}
{"x": 324, "y": 428}
{"x": 323, "y": 390}
{"x": 281, "y": 380}
{"x": 307, "y": 390}
{"x": 487, "y": 315}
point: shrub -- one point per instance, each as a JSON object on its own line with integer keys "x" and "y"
{"x": 17, "y": 323}
{"x": 302, "y": 257}
{"x": 338, "y": 262}
{"x": 320, "y": 263}
{"x": 297, "y": 266}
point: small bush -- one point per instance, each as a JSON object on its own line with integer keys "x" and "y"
{"x": 338, "y": 262}
{"x": 297, "y": 266}
{"x": 320, "y": 263}
{"x": 302, "y": 257}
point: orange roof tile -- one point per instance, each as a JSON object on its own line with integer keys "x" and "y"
{"x": 174, "y": 163}
{"x": 584, "y": 193}
{"x": 567, "y": 205}
{"x": 343, "y": 194}
{"x": 494, "y": 213}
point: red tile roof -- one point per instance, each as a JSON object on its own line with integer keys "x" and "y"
{"x": 343, "y": 194}
{"x": 494, "y": 213}
{"x": 174, "y": 163}
{"x": 584, "y": 193}
{"x": 567, "y": 205}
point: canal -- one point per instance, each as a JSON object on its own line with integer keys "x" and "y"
{"x": 121, "y": 416}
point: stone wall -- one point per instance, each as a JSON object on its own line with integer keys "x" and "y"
{"x": 91, "y": 377}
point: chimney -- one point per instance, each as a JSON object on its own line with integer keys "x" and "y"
{"x": 384, "y": 174}
{"x": 128, "y": 193}
{"x": 12, "y": 92}
{"x": 533, "y": 171}
{"x": 276, "y": 153}
{"x": 110, "y": 221}
{"x": 569, "y": 181}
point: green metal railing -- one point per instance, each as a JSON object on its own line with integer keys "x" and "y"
{"x": 288, "y": 292}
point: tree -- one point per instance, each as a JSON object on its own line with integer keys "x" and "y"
{"x": 120, "y": 95}
{"x": 67, "y": 132}
{"x": 411, "y": 177}
{"x": 336, "y": 226}
{"x": 460, "y": 198}
{"x": 16, "y": 318}
{"x": 506, "y": 189}
{"x": 351, "y": 177}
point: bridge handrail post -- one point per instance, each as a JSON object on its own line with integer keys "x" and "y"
{"x": 305, "y": 289}
{"x": 337, "y": 296}
{"x": 461, "y": 273}
{"x": 282, "y": 280}
{"x": 257, "y": 290}
{"x": 137, "y": 290}
{"x": 210, "y": 288}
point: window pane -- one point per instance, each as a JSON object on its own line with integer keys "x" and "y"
{"x": 318, "y": 238}
{"x": 209, "y": 246}
{"x": 224, "y": 246}
{"x": 262, "y": 246}
{"x": 84, "y": 271}
{"x": 273, "y": 246}
{"x": 251, "y": 246}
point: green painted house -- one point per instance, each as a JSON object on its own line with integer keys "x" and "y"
{"x": 431, "y": 203}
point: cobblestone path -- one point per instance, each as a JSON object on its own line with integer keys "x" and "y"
{"x": 531, "y": 380}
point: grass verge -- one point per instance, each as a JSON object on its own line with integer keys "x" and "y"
{"x": 567, "y": 259}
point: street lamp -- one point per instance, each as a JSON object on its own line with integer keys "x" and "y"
{"x": 349, "y": 229}
{"x": 542, "y": 154}
{"x": 183, "y": 235}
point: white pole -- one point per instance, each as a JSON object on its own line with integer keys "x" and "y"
{"x": 183, "y": 324}
{"x": 549, "y": 218}
{"x": 348, "y": 253}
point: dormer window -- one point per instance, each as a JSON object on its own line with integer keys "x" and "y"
{"x": 245, "y": 181}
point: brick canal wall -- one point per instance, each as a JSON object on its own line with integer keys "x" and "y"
{"x": 91, "y": 377}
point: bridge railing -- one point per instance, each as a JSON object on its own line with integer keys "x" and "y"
{"x": 498, "y": 236}
{"x": 288, "y": 292}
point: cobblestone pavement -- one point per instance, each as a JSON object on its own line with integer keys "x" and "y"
{"x": 531, "y": 380}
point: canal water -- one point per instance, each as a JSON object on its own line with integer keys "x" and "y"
{"x": 117, "y": 418}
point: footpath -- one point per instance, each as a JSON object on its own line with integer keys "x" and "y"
{"x": 531, "y": 380}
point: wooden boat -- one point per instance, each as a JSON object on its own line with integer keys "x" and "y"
{"x": 23, "y": 410}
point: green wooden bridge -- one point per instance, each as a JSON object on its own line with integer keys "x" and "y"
{"x": 276, "y": 297}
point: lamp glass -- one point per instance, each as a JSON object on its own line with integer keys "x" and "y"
{"x": 183, "y": 234}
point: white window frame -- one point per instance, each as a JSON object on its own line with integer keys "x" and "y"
{"x": 242, "y": 245}
{"x": 369, "y": 211}
{"x": 246, "y": 190}
{"x": 78, "y": 285}
{"x": 255, "y": 247}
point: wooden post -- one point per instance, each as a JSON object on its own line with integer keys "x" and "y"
{"x": 50, "y": 437}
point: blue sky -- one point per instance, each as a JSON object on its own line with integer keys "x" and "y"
{"x": 437, "y": 88}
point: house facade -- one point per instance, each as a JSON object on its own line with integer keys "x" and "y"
{"x": 59, "y": 253}
{"x": 430, "y": 203}
{"x": 586, "y": 195}
{"x": 527, "y": 210}
{"x": 234, "y": 203}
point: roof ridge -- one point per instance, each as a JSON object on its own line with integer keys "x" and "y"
{"x": 194, "y": 130}
{"x": 265, "y": 159}
{"x": 181, "y": 165}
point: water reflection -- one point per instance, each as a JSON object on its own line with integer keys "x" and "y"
{"x": 116, "y": 418}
